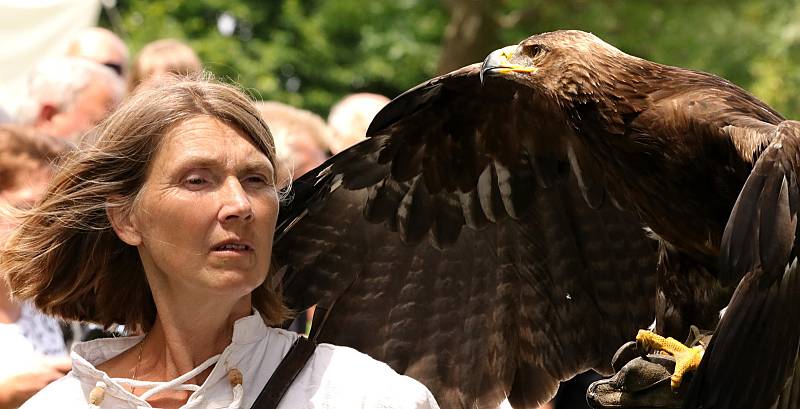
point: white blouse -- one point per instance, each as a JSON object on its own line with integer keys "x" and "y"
{"x": 334, "y": 377}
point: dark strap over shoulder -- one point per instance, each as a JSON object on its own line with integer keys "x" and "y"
{"x": 284, "y": 375}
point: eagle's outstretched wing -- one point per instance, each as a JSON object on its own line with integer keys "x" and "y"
{"x": 447, "y": 248}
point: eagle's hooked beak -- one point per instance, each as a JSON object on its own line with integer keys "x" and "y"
{"x": 497, "y": 63}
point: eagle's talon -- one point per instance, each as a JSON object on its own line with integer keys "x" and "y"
{"x": 686, "y": 359}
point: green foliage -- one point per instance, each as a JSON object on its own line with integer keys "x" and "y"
{"x": 305, "y": 53}
{"x": 309, "y": 53}
{"x": 753, "y": 43}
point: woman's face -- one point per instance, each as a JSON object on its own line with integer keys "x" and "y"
{"x": 206, "y": 214}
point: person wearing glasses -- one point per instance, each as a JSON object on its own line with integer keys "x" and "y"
{"x": 101, "y": 46}
{"x": 65, "y": 97}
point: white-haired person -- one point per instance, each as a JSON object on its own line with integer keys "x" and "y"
{"x": 350, "y": 117}
{"x": 101, "y": 46}
{"x": 165, "y": 225}
{"x": 67, "y": 96}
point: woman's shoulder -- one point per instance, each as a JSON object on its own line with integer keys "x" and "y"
{"x": 66, "y": 392}
{"x": 350, "y": 378}
{"x": 341, "y": 357}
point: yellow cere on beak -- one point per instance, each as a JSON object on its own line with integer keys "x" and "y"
{"x": 508, "y": 67}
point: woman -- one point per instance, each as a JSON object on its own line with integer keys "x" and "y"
{"x": 166, "y": 226}
{"x": 32, "y": 349}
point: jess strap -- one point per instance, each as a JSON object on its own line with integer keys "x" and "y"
{"x": 284, "y": 375}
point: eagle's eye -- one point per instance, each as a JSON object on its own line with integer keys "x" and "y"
{"x": 533, "y": 50}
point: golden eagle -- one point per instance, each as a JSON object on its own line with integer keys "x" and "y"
{"x": 553, "y": 153}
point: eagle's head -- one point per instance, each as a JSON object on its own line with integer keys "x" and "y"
{"x": 573, "y": 65}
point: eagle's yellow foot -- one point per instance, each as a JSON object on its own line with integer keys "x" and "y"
{"x": 686, "y": 359}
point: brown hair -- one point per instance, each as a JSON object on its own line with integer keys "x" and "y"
{"x": 65, "y": 255}
{"x": 164, "y": 56}
{"x": 22, "y": 149}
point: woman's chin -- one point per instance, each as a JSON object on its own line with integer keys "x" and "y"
{"x": 232, "y": 283}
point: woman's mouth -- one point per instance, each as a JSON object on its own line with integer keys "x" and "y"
{"x": 232, "y": 248}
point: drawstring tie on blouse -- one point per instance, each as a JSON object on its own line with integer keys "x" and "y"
{"x": 234, "y": 377}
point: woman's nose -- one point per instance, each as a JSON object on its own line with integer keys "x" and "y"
{"x": 235, "y": 202}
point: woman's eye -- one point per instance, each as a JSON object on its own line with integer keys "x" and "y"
{"x": 195, "y": 181}
{"x": 257, "y": 180}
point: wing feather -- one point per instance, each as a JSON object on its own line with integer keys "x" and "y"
{"x": 760, "y": 248}
{"x": 416, "y": 213}
{"x": 474, "y": 217}
{"x": 489, "y": 194}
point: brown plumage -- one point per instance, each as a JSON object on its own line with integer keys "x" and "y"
{"x": 510, "y": 309}
{"x": 512, "y": 167}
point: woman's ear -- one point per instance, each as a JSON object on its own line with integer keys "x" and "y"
{"x": 121, "y": 219}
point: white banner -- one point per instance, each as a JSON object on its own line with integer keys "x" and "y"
{"x": 34, "y": 29}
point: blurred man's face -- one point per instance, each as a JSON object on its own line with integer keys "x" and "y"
{"x": 102, "y": 47}
{"x": 107, "y": 55}
{"x": 306, "y": 153}
{"x": 26, "y": 190}
{"x": 92, "y": 105}
{"x": 297, "y": 153}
